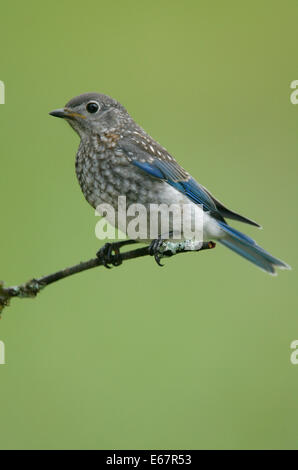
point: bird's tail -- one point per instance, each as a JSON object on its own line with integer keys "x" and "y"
{"x": 248, "y": 248}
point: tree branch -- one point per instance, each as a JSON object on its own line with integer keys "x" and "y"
{"x": 31, "y": 288}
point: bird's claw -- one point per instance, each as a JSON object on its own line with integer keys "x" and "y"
{"x": 154, "y": 250}
{"x": 161, "y": 248}
{"x": 109, "y": 254}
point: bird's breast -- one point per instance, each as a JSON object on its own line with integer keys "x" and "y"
{"x": 105, "y": 174}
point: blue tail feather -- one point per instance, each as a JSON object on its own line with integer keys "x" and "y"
{"x": 248, "y": 248}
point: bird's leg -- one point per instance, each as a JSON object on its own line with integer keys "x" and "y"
{"x": 160, "y": 248}
{"x": 110, "y": 253}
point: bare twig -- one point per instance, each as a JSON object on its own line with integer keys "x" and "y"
{"x": 31, "y": 288}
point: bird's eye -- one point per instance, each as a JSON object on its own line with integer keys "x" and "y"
{"x": 92, "y": 107}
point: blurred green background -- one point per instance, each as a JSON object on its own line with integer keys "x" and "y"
{"x": 194, "y": 355}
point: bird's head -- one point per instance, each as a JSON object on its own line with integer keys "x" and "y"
{"x": 92, "y": 113}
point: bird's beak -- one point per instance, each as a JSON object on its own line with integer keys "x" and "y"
{"x": 58, "y": 113}
{"x": 65, "y": 114}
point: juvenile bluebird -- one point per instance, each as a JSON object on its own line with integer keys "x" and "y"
{"x": 116, "y": 157}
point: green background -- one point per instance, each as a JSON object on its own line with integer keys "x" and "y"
{"x": 194, "y": 355}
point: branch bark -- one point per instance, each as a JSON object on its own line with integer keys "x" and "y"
{"x": 31, "y": 288}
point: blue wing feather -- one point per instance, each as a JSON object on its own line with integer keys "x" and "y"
{"x": 164, "y": 167}
{"x": 174, "y": 175}
{"x": 148, "y": 168}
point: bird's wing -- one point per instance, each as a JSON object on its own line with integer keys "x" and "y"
{"x": 229, "y": 214}
{"x": 153, "y": 159}
{"x": 156, "y": 162}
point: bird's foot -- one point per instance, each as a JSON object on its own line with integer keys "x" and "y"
{"x": 156, "y": 249}
{"x": 160, "y": 248}
{"x": 109, "y": 254}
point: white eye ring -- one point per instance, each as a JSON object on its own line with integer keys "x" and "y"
{"x": 92, "y": 107}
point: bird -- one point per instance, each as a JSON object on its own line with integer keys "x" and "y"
{"x": 116, "y": 157}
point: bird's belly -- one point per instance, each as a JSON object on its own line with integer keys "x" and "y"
{"x": 134, "y": 203}
{"x": 161, "y": 211}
